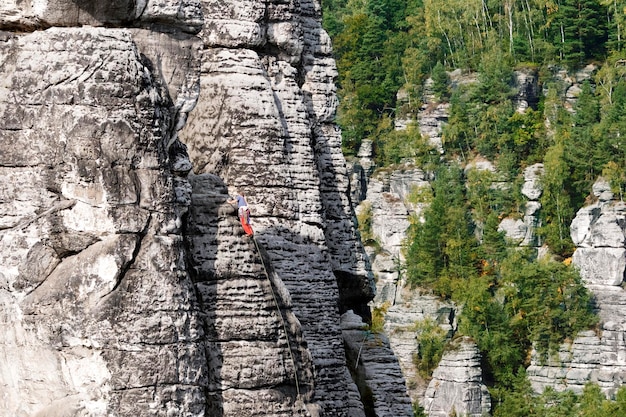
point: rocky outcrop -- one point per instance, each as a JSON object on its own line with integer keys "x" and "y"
{"x": 169, "y": 15}
{"x": 410, "y": 308}
{"x": 127, "y": 287}
{"x": 599, "y": 232}
{"x": 389, "y": 208}
{"x": 264, "y": 124}
{"x": 457, "y": 387}
{"x": 99, "y": 315}
{"x": 527, "y": 85}
{"x": 433, "y": 115}
{"x": 375, "y": 369}
{"x": 523, "y": 231}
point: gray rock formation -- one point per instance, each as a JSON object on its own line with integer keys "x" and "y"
{"x": 523, "y": 231}
{"x": 388, "y": 200}
{"x": 377, "y": 373}
{"x": 457, "y": 385}
{"x": 599, "y": 232}
{"x": 411, "y": 307}
{"x": 99, "y": 314}
{"x": 432, "y": 116}
{"x": 527, "y": 86}
{"x": 127, "y": 288}
{"x": 360, "y": 169}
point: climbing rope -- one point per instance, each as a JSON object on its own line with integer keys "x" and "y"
{"x": 295, "y": 371}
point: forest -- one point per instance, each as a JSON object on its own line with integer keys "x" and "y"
{"x": 385, "y": 51}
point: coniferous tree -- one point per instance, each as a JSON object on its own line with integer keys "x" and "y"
{"x": 442, "y": 249}
{"x": 584, "y": 157}
{"x": 579, "y": 29}
{"x": 441, "y": 82}
{"x": 458, "y": 135}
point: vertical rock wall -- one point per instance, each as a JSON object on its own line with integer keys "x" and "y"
{"x": 599, "y": 232}
{"x": 126, "y": 286}
{"x": 98, "y": 314}
{"x": 264, "y": 126}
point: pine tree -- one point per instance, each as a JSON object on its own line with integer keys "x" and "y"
{"x": 441, "y": 82}
{"x": 583, "y": 154}
{"x": 580, "y": 31}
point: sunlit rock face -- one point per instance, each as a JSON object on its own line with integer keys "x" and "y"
{"x": 126, "y": 286}
{"x": 599, "y": 232}
{"x": 98, "y": 313}
{"x": 457, "y": 385}
{"x": 264, "y": 125}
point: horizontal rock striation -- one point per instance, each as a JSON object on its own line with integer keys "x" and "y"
{"x": 127, "y": 287}
{"x": 376, "y": 369}
{"x": 599, "y": 232}
{"x": 457, "y": 387}
{"x": 264, "y": 125}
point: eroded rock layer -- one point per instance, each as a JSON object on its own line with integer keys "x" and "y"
{"x": 98, "y": 313}
{"x": 127, "y": 287}
{"x": 264, "y": 125}
{"x": 599, "y": 232}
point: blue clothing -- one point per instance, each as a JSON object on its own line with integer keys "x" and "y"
{"x": 241, "y": 201}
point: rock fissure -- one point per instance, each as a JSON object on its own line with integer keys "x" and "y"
{"x": 127, "y": 266}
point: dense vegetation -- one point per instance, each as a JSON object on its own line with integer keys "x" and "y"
{"x": 385, "y": 51}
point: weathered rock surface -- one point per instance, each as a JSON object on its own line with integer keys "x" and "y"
{"x": 410, "y": 308}
{"x": 126, "y": 286}
{"x": 388, "y": 204}
{"x": 527, "y": 85}
{"x": 523, "y": 231}
{"x": 432, "y": 116}
{"x": 264, "y": 124}
{"x": 375, "y": 368}
{"x": 99, "y": 315}
{"x": 457, "y": 385}
{"x": 185, "y": 15}
{"x": 599, "y": 232}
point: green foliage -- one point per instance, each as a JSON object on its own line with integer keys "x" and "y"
{"x": 579, "y": 29}
{"x": 557, "y": 210}
{"x": 441, "y": 248}
{"x": 378, "y": 318}
{"x": 396, "y": 146}
{"x": 522, "y": 402}
{"x": 458, "y": 135}
{"x": 431, "y": 340}
{"x": 418, "y": 410}
{"x": 420, "y": 195}
{"x": 441, "y": 82}
{"x": 385, "y": 50}
{"x": 364, "y": 220}
{"x": 484, "y": 197}
{"x": 549, "y": 301}
{"x": 519, "y": 302}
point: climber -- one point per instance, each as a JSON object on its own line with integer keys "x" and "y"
{"x": 243, "y": 211}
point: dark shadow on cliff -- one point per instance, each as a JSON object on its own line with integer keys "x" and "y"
{"x": 123, "y": 14}
{"x": 218, "y": 253}
{"x": 200, "y": 230}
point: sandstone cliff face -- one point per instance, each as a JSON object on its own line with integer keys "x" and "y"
{"x": 126, "y": 285}
{"x": 599, "y": 232}
{"x": 457, "y": 386}
{"x": 98, "y": 311}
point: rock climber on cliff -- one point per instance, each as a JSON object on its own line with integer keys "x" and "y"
{"x": 243, "y": 211}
